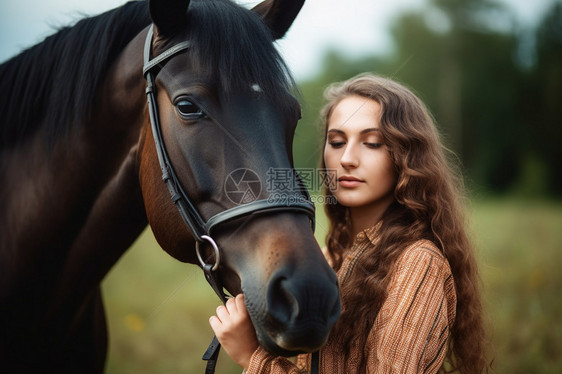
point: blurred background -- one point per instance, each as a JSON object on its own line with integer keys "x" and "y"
{"x": 491, "y": 74}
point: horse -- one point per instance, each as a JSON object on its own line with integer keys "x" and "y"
{"x": 94, "y": 117}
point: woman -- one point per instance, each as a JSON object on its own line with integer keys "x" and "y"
{"x": 407, "y": 271}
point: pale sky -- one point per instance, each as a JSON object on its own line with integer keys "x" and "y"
{"x": 354, "y": 27}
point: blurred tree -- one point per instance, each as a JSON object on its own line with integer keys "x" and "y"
{"x": 544, "y": 109}
{"x": 461, "y": 58}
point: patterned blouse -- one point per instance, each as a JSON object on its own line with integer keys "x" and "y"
{"x": 410, "y": 332}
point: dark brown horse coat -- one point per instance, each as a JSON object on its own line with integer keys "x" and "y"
{"x": 79, "y": 179}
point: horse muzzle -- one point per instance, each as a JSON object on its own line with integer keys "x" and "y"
{"x": 298, "y": 312}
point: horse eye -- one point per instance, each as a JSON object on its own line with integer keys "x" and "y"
{"x": 188, "y": 110}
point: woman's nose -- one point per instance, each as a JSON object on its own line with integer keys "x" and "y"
{"x": 349, "y": 158}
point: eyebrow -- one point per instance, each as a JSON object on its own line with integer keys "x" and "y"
{"x": 365, "y": 131}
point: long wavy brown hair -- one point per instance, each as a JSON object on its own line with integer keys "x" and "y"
{"x": 428, "y": 204}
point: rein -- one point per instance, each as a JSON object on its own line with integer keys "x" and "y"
{"x": 201, "y": 229}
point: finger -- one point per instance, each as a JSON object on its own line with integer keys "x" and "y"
{"x": 215, "y": 323}
{"x": 231, "y": 305}
{"x": 240, "y": 304}
{"x": 222, "y": 313}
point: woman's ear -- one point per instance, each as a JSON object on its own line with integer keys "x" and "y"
{"x": 279, "y": 15}
{"x": 168, "y": 16}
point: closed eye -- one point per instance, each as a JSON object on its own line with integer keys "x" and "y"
{"x": 373, "y": 145}
{"x": 337, "y": 144}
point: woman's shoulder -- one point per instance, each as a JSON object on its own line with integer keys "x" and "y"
{"x": 421, "y": 269}
{"x": 423, "y": 255}
{"x": 423, "y": 247}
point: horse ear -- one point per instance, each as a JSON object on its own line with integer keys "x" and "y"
{"x": 168, "y": 16}
{"x": 279, "y": 14}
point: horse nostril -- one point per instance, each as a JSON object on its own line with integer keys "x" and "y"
{"x": 301, "y": 309}
{"x": 282, "y": 305}
{"x": 290, "y": 299}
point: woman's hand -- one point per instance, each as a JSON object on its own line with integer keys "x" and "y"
{"x": 234, "y": 330}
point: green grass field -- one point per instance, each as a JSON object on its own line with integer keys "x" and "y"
{"x": 158, "y": 308}
{"x": 520, "y": 251}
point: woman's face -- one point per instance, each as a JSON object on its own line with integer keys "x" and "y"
{"x": 354, "y": 149}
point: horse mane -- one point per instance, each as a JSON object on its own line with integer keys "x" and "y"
{"x": 236, "y": 46}
{"x": 53, "y": 84}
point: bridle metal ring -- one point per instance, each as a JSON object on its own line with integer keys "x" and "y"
{"x": 215, "y": 247}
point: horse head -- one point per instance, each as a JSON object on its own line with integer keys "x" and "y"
{"x": 226, "y": 117}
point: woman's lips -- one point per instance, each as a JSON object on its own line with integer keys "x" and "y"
{"x": 349, "y": 182}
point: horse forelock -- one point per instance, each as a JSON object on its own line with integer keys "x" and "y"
{"x": 236, "y": 46}
{"x": 53, "y": 84}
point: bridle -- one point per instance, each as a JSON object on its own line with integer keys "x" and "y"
{"x": 201, "y": 229}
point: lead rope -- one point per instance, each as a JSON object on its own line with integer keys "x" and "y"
{"x": 314, "y": 362}
{"x": 211, "y": 355}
